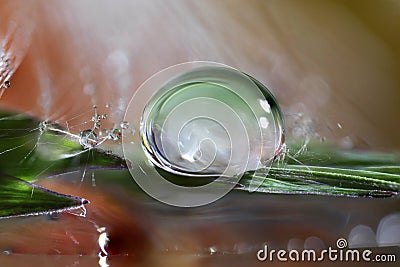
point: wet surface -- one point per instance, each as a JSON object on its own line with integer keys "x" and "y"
{"x": 142, "y": 230}
{"x": 333, "y": 66}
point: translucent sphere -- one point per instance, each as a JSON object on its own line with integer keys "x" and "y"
{"x": 212, "y": 121}
{"x": 200, "y": 120}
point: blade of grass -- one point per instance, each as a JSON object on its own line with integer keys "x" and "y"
{"x": 320, "y": 170}
{"x": 20, "y": 198}
{"x": 30, "y": 149}
{"x": 300, "y": 179}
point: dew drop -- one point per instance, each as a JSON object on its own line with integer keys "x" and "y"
{"x": 88, "y": 139}
{"x": 212, "y": 250}
{"x": 42, "y": 126}
{"x": 7, "y": 84}
{"x": 115, "y": 134}
{"x": 6, "y": 71}
{"x": 7, "y": 252}
{"x": 124, "y": 125}
{"x": 212, "y": 121}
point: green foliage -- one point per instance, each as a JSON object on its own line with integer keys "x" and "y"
{"x": 18, "y": 197}
{"x": 31, "y": 149}
{"x": 325, "y": 170}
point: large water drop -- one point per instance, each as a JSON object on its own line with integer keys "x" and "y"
{"x": 200, "y": 119}
{"x": 212, "y": 121}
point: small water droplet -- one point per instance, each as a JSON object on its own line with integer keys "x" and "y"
{"x": 124, "y": 125}
{"x": 212, "y": 250}
{"x": 7, "y": 84}
{"x": 115, "y": 134}
{"x": 108, "y": 105}
{"x": 101, "y": 229}
{"x": 43, "y": 126}
{"x": 103, "y": 242}
{"x": 7, "y": 252}
{"x": 88, "y": 139}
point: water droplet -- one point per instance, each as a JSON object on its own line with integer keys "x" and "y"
{"x": 103, "y": 241}
{"x": 43, "y": 126}
{"x": 7, "y": 252}
{"x": 115, "y": 134}
{"x": 212, "y": 121}
{"x": 124, "y": 125}
{"x": 88, "y": 139}
{"x": 212, "y": 250}
{"x": 6, "y": 84}
{"x": 108, "y": 105}
{"x": 201, "y": 119}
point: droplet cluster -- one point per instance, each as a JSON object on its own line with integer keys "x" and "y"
{"x": 97, "y": 135}
{"x": 5, "y": 69}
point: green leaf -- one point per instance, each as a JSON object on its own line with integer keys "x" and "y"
{"x": 323, "y": 169}
{"x": 20, "y": 198}
{"x": 299, "y": 179}
{"x": 322, "y": 154}
{"x": 320, "y": 169}
{"x": 30, "y": 149}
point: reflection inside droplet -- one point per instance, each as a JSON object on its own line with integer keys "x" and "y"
{"x": 212, "y": 121}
